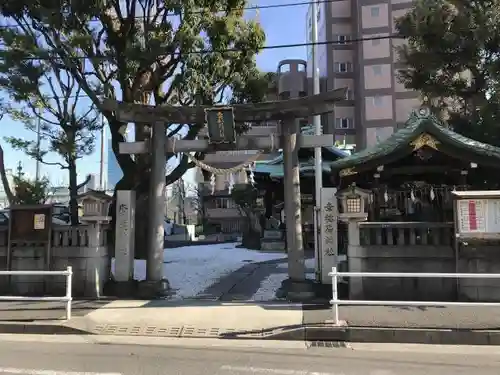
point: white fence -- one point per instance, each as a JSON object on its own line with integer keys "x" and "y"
{"x": 67, "y": 298}
{"x": 336, "y": 302}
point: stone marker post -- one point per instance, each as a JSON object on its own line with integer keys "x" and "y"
{"x": 124, "y": 241}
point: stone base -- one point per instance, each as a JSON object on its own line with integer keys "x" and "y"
{"x": 273, "y": 246}
{"x": 154, "y": 289}
{"x": 298, "y": 290}
{"x": 121, "y": 289}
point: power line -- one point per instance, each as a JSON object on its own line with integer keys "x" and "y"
{"x": 209, "y": 51}
{"x": 254, "y": 7}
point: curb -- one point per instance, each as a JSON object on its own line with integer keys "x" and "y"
{"x": 312, "y": 333}
{"x": 49, "y": 328}
{"x": 402, "y": 335}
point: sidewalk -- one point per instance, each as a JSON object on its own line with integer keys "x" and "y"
{"x": 243, "y": 304}
{"x": 463, "y": 318}
{"x": 189, "y": 318}
{"x": 271, "y": 320}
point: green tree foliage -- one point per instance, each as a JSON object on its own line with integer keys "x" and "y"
{"x": 453, "y": 59}
{"x": 50, "y": 103}
{"x": 144, "y": 51}
{"x": 3, "y": 172}
{"x": 30, "y": 191}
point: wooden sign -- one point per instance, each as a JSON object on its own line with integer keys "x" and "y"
{"x": 221, "y": 126}
{"x": 30, "y": 223}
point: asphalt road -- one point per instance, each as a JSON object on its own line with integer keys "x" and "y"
{"x": 47, "y": 357}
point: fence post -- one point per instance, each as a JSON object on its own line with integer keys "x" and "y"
{"x": 69, "y": 287}
{"x": 335, "y": 296}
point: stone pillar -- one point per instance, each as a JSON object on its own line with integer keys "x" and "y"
{"x": 155, "y": 285}
{"x": 124, "y": 243}
{"x": 293, "y": 84}
{"x": 96, "y": 262}
{"x": 329, "y": 214}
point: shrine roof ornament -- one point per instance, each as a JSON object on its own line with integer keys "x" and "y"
{"x": 422, "y": 130}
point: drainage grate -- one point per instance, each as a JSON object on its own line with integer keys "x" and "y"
{"x": 327, "y": 344}
{"x": 173, "y": 331}
{"x": 190, "y": 331}
{"x": 110, "y": 329}
{"x": 134, "y": 330}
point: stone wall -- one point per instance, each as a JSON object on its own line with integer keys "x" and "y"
{"x": 434, "y": 254}
{"x": 479, "y": 259}
{"x": 437, "y": 259}
{"x": 83, "y": 248}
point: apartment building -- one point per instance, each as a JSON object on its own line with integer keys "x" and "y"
{"x": 377, "y": 103}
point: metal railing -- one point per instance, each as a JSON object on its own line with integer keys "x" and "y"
{"x": 336, "y": 302}
{"x": 67, "y": 298}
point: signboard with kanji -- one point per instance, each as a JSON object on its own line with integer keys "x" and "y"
{"x": 477, "y": 213}
{"x": 220, "y": 124}
{"x": 328, "y": 232}
{"x": 30, "y": 223}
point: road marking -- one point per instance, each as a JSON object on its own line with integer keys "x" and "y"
{"x": 276, "y": 371}
{"x": 23, "y": 371}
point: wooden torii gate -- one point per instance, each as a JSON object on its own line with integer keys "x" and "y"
{"x": 221, "y": 124}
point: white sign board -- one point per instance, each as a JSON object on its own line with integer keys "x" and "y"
{"x": 39, "y": 221}
{"x": 478, "y": 216}
{"x": 124, "y": 237}
{"x": 329, "y": 232}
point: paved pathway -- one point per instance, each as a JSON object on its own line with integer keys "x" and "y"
{"x": 244, "y": 283}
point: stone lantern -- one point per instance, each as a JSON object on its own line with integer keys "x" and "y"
{"x": 353, "y": 204}
{"x": 95, "y": 216}
{"x": 95, "y": 206}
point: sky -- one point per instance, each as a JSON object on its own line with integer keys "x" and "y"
{"x": 285, "y": 25}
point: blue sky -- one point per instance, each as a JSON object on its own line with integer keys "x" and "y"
{"x": 282, "y": 26}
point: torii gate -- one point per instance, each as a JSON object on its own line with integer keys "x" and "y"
{"x": 221, "y": 121}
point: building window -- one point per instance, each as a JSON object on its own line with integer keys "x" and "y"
{"x": 375, "y": 11}
{"x": 343, "y": 123}
{"x": 349, "y": 94}
{"x": 343, "y": 67}
{"x": 377, "y": 70}
{"x": 342, "y": 39}
{"x": 378, "y": 101}
{"x": 375, "y": 42}
{"x": 220, "y": 202}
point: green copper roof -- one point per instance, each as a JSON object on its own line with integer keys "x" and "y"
{"x": 274, "y": 167}
{"x": 276, "y": 170}
{"x": 399, "y": 145}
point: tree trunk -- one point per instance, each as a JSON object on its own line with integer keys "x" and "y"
{"x": 251, "y": 238}
{"x": 5, "y": 181}
{"x": 73, "y": 193}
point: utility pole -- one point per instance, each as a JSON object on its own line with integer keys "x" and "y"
{"x": 101, "y": 162}
{"x": 38, "y": 145}
{"x": 318, "y": 170}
